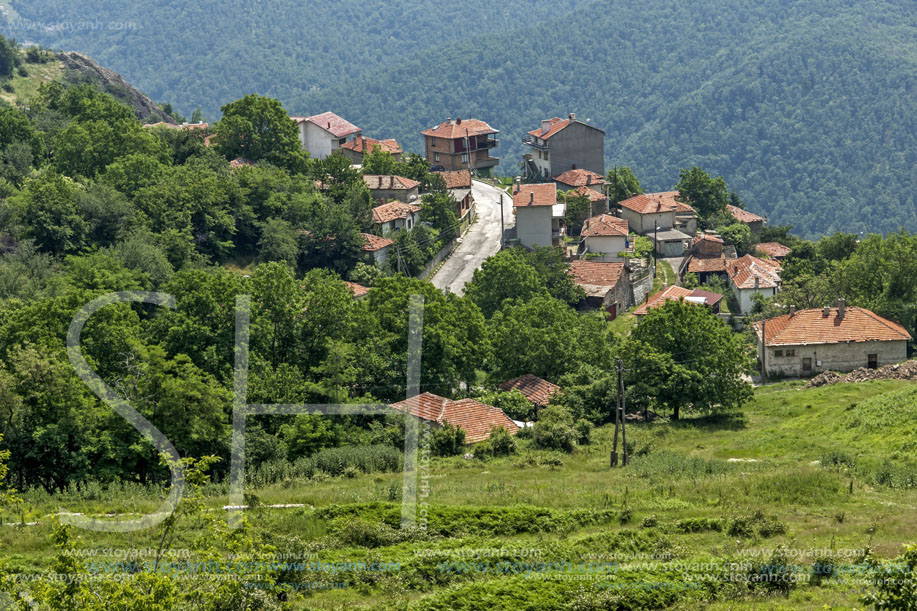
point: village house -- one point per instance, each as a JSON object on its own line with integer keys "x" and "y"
{"x": 685, "y": 216}
{"x": 774, "y": 250}
{"x": 571, "y": 179}
{"x": 537, "y": 390}
{"x": 324, "y": 134}
{"x": 754, "y": 222}
{"x": 392, "y": 217}
{"x": 384, "y": 187}
{"x": 475, "y": 418}
{"x": 598, "y": 202}
{"x": 606, "y": 236}
{"x": 607, "y": 285}
{"x": 461, "y": 145}
{"x": 844, "y": 338}
{"x": 653, "y": 215}
{"x": 695, "y": 296}
{"x": 706, "y": 259}
{"x": 458, "y": 182}
{"x": 358, "y": 290}
{"x": 376, "y": 248}
{"x": 539, "y": 218}
{"x": 356, "y": 149}
{"x": 749, "y": 275}
{"x": 560, "y": 145}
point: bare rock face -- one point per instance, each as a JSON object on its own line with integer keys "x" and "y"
{"x": 84, "y": 69}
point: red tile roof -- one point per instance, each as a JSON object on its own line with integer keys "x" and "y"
{"x": 596, "y": 277}
{"x": 366, "y": 145}
{"x": 456, "y": 179}
{"x": 535, "y": 389}
{"x": 580, "y": 178}
{"x": 813, "y": 327}
{"x": 604, "y": 225}
{"x": 705, "y": 237}
{"x": 474, "y": 417}
{"x": 556, "y": 124}
{"x": 459, "y": 128}
{"x": 330, "y": 122}
{"x": 699, "y": 264}
{"x": 592, "y": 194}
{"x": 773, "y": 249}
{"x": 372, "y": 243}
{"x": 393, "y": 210}
{"x": 652, "y": 203}
{"x": 388, "y": 182}
{"x": 678, "y": 292}
{"x": 535, "y": 195}
{"x": 744, "y": 270}
{"x": 358, "y": 289}
{"x": 743, "y": 216}
{"x": 241, "y": 162}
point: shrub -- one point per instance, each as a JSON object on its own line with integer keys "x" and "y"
{"x": 554, "y": 430}
{"x": 754, "y": 524}
{"x": 822, "y": 568}
{"x": 583, "y": 431}
{"x": 696, "y": 525}
{"x": 513, "y": 403}
{"x": 649, "y": 522}
{"x": 447, "y": 440}
{"x": 368, "y": 459}
{"x": 500, "y": 443}
{"x": 776, "y": 574}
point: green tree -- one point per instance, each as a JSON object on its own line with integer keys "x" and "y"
{"x": 378, "y": 161}
{"x": 707, "y": 195}
{"x": 51, "y": 214}
{"x": 279, "y": 242}
{"x": 504, "y": 277}
{"x": 578, "y": 210}
{"x": 838, "y": 246}
{"x": 738, "y": 235}
{"x": 708, "y": 359}
{"x": 622, "y": 184}
{"x": 256, "y": 127}
{"x": 439, "y": 211}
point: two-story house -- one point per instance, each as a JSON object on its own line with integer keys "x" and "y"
{"x": 560, "y": 145}
{"x": 461, "y": 144}
{"x": 655, "y": 215}
{"x": 539, "y": 218}
{"x": 749, "y": 275}
{"x": 323, "y": 134}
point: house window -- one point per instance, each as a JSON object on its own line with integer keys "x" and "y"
{"x": 342, "y": 141}
{"x": 791, "y": 352}
{"x": 546, "y": 155}
{"x": 435, "y": 156}
{"x": 872, "y": 361}
{"x": 464, "y": 157}
{"x": 432, "y": 142}
{"x": 409, "y": 223}
{"x": 778, "y": 352}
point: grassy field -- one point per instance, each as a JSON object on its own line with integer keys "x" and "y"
{"x": 809, "y": 469}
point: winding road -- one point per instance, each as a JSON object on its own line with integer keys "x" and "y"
{"x": 481, "y": 241}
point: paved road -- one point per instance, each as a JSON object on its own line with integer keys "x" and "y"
{"x": 482, "y": 239}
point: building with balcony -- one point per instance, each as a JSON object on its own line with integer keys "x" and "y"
{"x": 560, "y": 145}
{"x": 462, "y": 144}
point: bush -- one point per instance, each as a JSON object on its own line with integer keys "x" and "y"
{"x": 776, "y": 575}
{"x": 583, "y": 432}
{"x": 348, "y": 459}
{"x": 513, "y": 403}
{"x": 696, "y": 525}
{"x": 754, "y": 524}
{"x": 500, "y": 443}
{"x": 554, "y": 430}
{"x": 447, "y": 440}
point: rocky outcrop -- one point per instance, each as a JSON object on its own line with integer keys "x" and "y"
{"x": 82, "y": 69}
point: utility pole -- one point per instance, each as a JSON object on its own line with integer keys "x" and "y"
{"x": 620, "y": 367}
{"x": 763, "y": 352}
{"x": 502, "y": 228}
{"x": 614, "y": 447}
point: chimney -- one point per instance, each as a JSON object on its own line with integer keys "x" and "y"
{"x": 329, "y": 124}
{"x": 792, "y": 310}
{"x": 545, "y": 125}
{"x": 458, "y": 121}
{"x": 573, "y": 167}
{"x": 573, "y": 116}
{"x": 826, "y": 312}
{"x": 517, "y": 184}
{"x": 841, "y": 308}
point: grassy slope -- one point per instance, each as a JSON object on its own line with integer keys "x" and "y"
{"x": 686, "y": 474}
{"x": 25, "y": 87}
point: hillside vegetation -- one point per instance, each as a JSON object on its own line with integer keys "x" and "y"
{"x": 807, "y": 108}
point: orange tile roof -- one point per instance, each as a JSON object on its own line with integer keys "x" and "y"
{"x": 388, "y": 182}
{"x": 592, "y": 194}
{"x": 596, "y": 277}
{"x": 393, "y": 210}
{"x": 744, "y": 270}
{"x": 372, "y": 243}
{"x": 330, "y": 122}
{"x": 743, "y": 216}
{"x": 699, "y": 264}
{"x": 358, "y": 290}
{"x": 474, "y": 417}
{"x": 580, "y": 178}
{"x": 773, "y": 249}
{"x": 535, "y": 195}
{"x": 813, "y": 327}
{"x": 535, "y": 389}
{"x": 366, "y": 145}
{"x": 459, "y": 128}
{"x": 456, "y": 179}
{"x": 652, "y": 203}
{"x": 604, "y": 225}
{"x": 677, "y": 292}
{"x": 241, "y": 162}
{"x": 705, "y": 237}
{"x": 556, "y": 124}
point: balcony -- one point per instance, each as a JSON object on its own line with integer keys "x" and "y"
{"x": 532, "y": 142}
{"x": 475, "y": 144}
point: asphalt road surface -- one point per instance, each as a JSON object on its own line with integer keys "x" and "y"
{"x": 482, "y": 239}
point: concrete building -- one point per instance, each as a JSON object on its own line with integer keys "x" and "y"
{"x": 388, "y": 187}
{"x": 376, "y": 248}
{"x": 578, "y": 177}
{"x": 774, "y": 250}
{"x": 749, "y": 275}
{"x": 357, "y": 148}
{"x": 459, "y": 184}
{"x": 563, "y": 144}
{"x": 461, "y": 145}
{"x": 539, "y": 218}
{"x": 648, "y": 211}
{"x": 844, "y": 338}
{"x": 323, "y": 134}
{"x": 604, "y": 235}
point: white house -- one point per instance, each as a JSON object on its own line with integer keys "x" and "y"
{"x": 395, "y": 216}
{"x": 537, "y": 210}
{"x": 749, "y": 275}
{"x": 376, "y": 248}
{"x": 605, "y": 235}
{"x": 323, "y": 134}
{"x": 647, "y": 211}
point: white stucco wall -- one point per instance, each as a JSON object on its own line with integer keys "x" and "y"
{"x": 609, "y": 245}
{"x": 533, "y": 225}
{"x": 744, "y": 297}
{"x": 645, "y": 224}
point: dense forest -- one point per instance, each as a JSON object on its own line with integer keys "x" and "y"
{"x": 807, "y": 108}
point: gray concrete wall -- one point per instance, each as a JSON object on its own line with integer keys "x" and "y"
{"x": 833, "y": 357}
{"x": 577, "y": 144}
